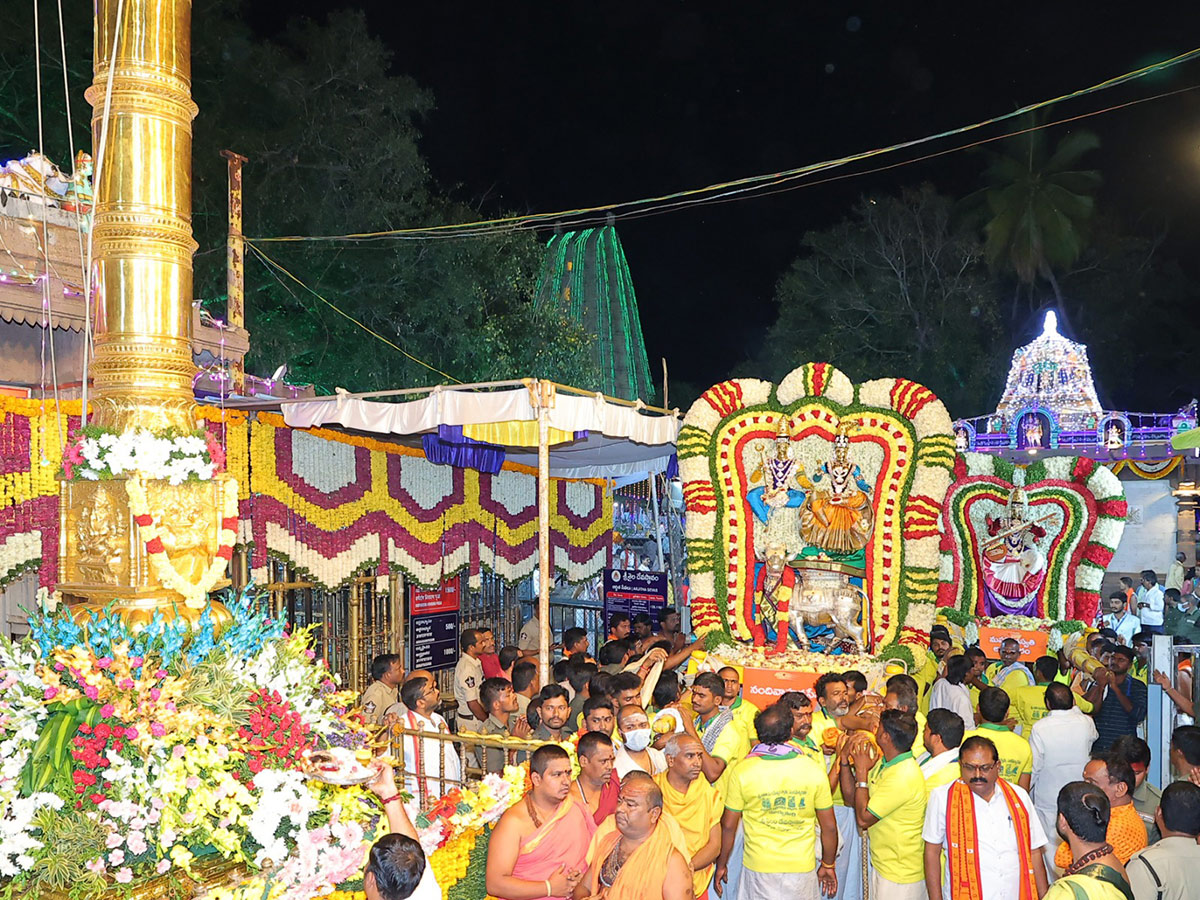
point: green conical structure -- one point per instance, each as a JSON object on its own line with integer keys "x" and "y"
{"x": 586, "y": 277}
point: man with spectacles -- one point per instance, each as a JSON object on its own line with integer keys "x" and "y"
{"x": 987, "y": 828}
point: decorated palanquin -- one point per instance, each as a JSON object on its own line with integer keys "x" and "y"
{"x": 815, "y": 501}
{"x": 1030, "y": 540}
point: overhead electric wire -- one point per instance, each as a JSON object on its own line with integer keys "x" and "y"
{"x": 729, "y": 189}
{"x": 272, "y": 266}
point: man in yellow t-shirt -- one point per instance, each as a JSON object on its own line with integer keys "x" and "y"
{"x": 779, "y": 795}
{"x": 942, "y": 737}
{"x": 890, "y": 804}
{"x": 802, "y": 714}
{"x": 1016, "y": 759}
{"x": 743, "y": 711}
{"x": 1029, "y": 703}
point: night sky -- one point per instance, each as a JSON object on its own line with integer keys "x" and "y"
{"x": 545, "y": 106}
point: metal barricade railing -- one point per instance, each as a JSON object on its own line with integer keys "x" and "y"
{"x": 410, "y": 748}
{"x": 1163, "y": 715}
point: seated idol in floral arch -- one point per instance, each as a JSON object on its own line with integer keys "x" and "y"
{"x": 1012, "y": 564}
{"x": 837, "y": 516}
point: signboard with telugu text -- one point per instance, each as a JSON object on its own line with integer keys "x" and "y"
{"x": 762, "y": 687}
{"x": 631, "y": 591}
{"x": 433, "y": 625}
{"x": 443, "y": 599}
{"x": 1033, "y": 643}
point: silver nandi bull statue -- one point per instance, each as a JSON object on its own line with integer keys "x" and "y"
{"x": 807, "y": 594}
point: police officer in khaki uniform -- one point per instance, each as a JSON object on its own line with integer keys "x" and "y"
{"x": 387, "y": 673}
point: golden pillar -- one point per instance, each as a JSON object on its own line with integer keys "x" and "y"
{"x": 143, "y": 369}
{"x": 142, "y": 231}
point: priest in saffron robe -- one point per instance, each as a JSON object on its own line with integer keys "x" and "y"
{"x": 988, "y": 831}
{"x": 695, "y": 804}
{"x": 640, "y": 853}
{"x": 539, "y": 847}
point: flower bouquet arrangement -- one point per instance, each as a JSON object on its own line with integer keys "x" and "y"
{"x": 127, "y": 757}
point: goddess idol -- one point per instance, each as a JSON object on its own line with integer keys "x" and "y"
{"x": 837, "y": 515}
{"x": 1012, "y": 564}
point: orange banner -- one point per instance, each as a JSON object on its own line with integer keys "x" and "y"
{"x": 762, "y": 687}
{"x": 1033, "y": 643}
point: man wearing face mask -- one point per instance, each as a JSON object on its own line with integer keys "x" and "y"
{"x": 635, "y": 752}
{"x": 986, "y": 829}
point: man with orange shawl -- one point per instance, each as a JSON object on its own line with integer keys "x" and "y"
{"x": 695, "y": 804}
{"x": 988, "y": 830}
{"x": 539, "y": 847}
{"x": 640, "y": 853}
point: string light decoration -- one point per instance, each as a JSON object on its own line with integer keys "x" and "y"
{"x": 586, "y": 277}
{"x": 1052, "y": 376}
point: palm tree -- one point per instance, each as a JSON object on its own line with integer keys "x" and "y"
{"x": 1037, "y": 206}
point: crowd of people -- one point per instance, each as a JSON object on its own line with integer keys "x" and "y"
{"x": 972, "y": 777}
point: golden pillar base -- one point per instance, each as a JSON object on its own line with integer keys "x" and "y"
{"x": 104, "y": 558}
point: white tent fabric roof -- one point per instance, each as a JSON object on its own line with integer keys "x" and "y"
{"x": 621, "y": 440}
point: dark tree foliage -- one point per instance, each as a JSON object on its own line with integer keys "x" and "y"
{"x": 332, "y": 135}
{"x": 896, "y": 289}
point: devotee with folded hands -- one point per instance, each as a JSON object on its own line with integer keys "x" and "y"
{"x": 538, "y": 849}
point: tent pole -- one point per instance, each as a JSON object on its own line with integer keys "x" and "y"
{"x": 657, "y": 529}
{"x": 544, "y": 394}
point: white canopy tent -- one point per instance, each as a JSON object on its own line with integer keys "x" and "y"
{"x": 563, "y": 431}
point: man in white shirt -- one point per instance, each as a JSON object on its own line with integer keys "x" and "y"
{"x": 1150, "y": 604}
{"x": 1120, "y": 619}
{"x": 951, "y": 691}
{"x": 634, "y": 750}
{"x": 996, "y": 852}
{"x": 427, "y": 760}
{"x": 468, "y": 676}
{"x": 1061, "y": 742}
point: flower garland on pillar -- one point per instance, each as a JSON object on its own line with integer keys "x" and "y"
{"x": 195, "y": 595}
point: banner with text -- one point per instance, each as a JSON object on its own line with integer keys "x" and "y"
{"x": 632, "y": 592}
{"x": 1033, "y": 643}
{"x": 433, "y": 625}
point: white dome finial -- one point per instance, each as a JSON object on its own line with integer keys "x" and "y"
{"x": 1050, "y": 326}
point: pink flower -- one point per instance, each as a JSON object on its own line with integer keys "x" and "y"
{"x": 189, "y": 817}
{"x": 136, "y": 843}
{"x": 106, "y": 711}
{"x": 135, "y": 662}
{"x": 161, "y": 673}
{"x": 169, "y": 706}
{"x": 202, "y": 740}
{"x": 95, "y": 865}
{"x": 92, "y": 692}
{"x": 163, "y": 865}
{"x": 131, "y": 733}
{"x": 104, "y": 662}
{"x": 116, "y": 857}
{"x": 124, "y": 876}
{"x": 58, "y": 667}
{"x": 50, "y": 693}
{"x": 310, "y": 653}
{"x": 157, "y": 729}
{"x": 155, "y": 693}
{"x": 192, "y": 783}
{"x": 125, "y": 684}
{"x": 157, "y": 802}
{"x": 114, "y": 840}
{"x": 177, "y": 751}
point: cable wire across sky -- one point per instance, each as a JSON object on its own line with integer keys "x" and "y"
{"x": 747, "y": 187}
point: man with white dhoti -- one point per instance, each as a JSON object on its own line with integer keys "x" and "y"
{"x": 427, "y": 760}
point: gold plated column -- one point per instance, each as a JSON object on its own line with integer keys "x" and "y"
{"x": 143, "y": 216}
{"x": 143, "y": 369}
